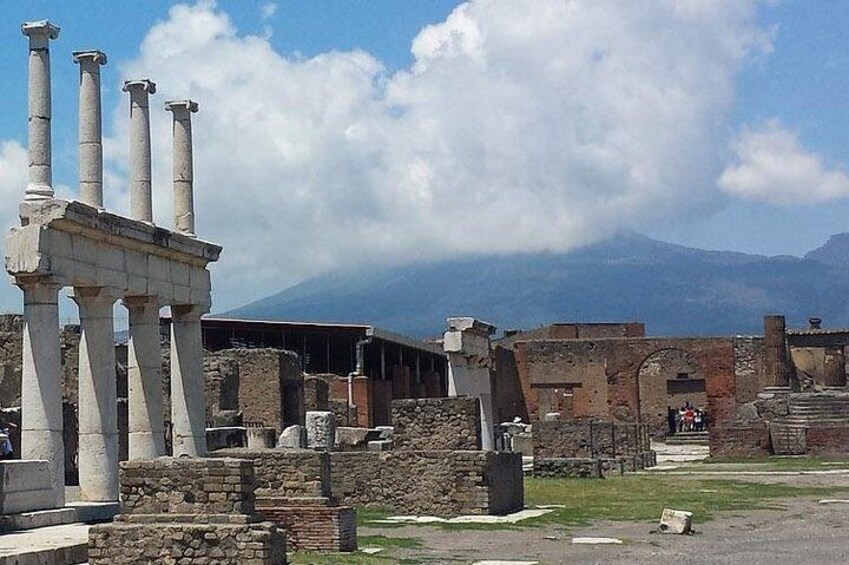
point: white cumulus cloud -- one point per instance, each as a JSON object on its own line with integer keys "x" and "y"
{"x": 772, "y": 166}
{"x": 522, "y": 125}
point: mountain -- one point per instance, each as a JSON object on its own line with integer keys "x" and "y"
{"x": 675, "y": 290}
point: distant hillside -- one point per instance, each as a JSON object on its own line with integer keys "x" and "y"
{"x": 675, "y": 290}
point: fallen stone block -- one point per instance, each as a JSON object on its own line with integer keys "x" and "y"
{"x": 676, "y": 521}
{"x": 293, "y": 437}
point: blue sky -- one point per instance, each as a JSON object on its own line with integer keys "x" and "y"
{"x": 333, "y": 131}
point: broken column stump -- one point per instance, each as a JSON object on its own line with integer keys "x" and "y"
{"x": 187, "y": 508}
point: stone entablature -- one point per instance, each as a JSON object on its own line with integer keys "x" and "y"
{"x": 74, "y": 244}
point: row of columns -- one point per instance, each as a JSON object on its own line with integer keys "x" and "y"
{"x": 41, "y": 398}
{"x": 40, "y": 185}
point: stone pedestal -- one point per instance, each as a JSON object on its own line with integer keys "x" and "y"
{"x": 468, "y": 347}
{"x": 187, "y": 510}
{"x": 98, "y": 397}
{"x": 144, "y": 382}
{"x": 41, "y": 385}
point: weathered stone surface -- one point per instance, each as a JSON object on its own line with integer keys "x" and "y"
{"x": 352, "y": 439}
{"x": 437, "y": 424}
{"x": 321, "y": 430}
{"x": 568, "y": 467}
{"x": 26, "y": 486}
{"x": 293, "y": 437}
{"x": 435, "y": 483}
{"x": 284, "y": 473}
{"x": 676, "y": 521}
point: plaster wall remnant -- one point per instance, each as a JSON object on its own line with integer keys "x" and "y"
{"x": 467, "y": 343}
{"x": 91, "y": 135}
{"x": 103, "y": 257}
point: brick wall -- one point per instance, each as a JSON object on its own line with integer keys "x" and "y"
{"x": 315, "y": 527}
{"x": 436, "y": 424}
{"x": 827, "y": 440}
{"x": 439, "y": 483}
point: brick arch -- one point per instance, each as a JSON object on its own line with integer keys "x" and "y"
{"x": 668, "y": 377}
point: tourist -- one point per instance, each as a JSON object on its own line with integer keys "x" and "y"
{"x": 6, "y": 450}
{"x": 697, "y": 420}
{"x": 671, "y": 419}
{"x": 689, "y": 416}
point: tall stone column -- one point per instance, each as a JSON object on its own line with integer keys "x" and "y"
{"x": 467, "y": 344}
{"x": 141, "y": 199}
{"x": 91, "y": 142}
{"x": 41, "y": 382}
{"x": 776, "y": 362}
{"x": 40, "y": 33}
{"x": 144, "y": 379}
{"x": 98, "y": 397}
{"x": 188, "y": 412}
{"x": 183, "y": 173}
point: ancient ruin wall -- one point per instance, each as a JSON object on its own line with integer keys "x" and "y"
{"x": 436, "y": 424}
{"x": 749, "y": 368}
{"x": 436, "y": 483}
{"x": 187, "y": 486}
{"x": 286, "y": 473}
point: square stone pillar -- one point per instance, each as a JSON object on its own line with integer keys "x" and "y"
{"x": 98, "y": 396}
{"x": 188, "y": 412}
{"x": 41, "y": 382}
{"x": 467, "y": 344}
{"x": 144, "y": 379}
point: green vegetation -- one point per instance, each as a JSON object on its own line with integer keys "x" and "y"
{"x": 642, "y": 497}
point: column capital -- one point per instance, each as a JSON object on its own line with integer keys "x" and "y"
{"x": 40, "y": 32}
{"x": 94, "y": 293}
{"x": 139, "y": 85}
{"x": 89, "y": 56}
{"x": 142, "y": 301}
{"x": 39, "y": 289}
{"x": 181, "y": 107}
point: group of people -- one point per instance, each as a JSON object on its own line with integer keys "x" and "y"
{"x": 687, "y": 419}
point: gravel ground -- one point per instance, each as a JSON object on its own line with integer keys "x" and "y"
{"x": 801, "y": 532}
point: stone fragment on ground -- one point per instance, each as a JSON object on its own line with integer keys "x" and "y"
{"x": 596, "y": 541}
{"x": 371, "y": 550}
{"x": 676, "y": 521}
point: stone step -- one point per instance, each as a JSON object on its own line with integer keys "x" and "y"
{"x": 53, "y": 545}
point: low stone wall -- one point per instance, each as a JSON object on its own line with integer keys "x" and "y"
{"x": 187, "y": 486}
{"x": 187, "y": 510}
{"x": 745, "y": 440}
{"x": 286, "y": 473}
{"x": 438, "y": 483}
{"x": 437, "y": 424}
{"x": 827, "y": 440}
{"x": 134, "y": 544}
{"x": 589, "y": 439}
{"x": 568, "y": 467}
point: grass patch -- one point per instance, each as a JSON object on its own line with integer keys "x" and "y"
{"x": 387, "y": 542}
{"x": 771, "y": 463}
{"x": 640, "y": 497}
{"x": 365, "y": 515}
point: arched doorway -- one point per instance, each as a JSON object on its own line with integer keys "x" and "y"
{"x": 668, "y": 378}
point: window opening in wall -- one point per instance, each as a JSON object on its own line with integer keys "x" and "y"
{"x": 682, "y": 376}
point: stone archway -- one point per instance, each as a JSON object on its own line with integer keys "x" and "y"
{"x": 668, "y": 377}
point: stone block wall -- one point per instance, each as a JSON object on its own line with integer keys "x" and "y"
{"x": 568, "y": 467}
{"x": 286, "y": 473}
{"x": 437, "y": 424}
{"x": 439, "y": 483}
{"x": 743, "y": 440}
{"x": 187, "y": 486}
{"x": 588, "y": 439}
{"x": 136, "y": 544}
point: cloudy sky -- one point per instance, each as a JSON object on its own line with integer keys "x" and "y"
{"x": 336, "y": 132}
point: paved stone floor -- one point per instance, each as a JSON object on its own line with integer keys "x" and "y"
{"x": 54, "y": 544}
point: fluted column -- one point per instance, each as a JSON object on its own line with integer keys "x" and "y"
{"x": 144, "y": 379}
{"x": 187, "y": 391}
{"x": 91, "y": 142}
{"x": 183, "y": 174}
{"x": 41, "y": 382}
{"x": 40, "y": 33}
{"x": 141, "y": 199}
{"x": 98, "y": 397}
